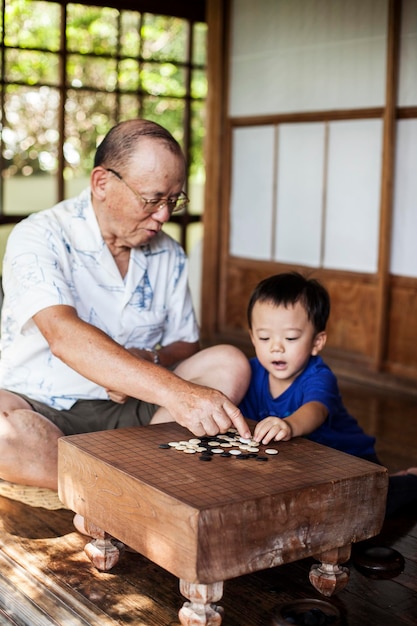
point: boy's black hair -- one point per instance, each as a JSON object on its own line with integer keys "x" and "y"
{"x": 288, "y": 288}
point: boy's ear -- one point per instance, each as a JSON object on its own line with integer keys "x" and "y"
{"x": 319, "y": 342}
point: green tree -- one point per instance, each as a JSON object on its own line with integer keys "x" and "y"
{"x": 117, "y": 65}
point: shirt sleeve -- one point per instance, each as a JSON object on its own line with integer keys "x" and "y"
{"x": 32, "y": 271}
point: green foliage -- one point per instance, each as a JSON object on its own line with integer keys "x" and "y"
{"x": 119, "y": 65}
{"x": 32, "y": 25}
{"x": 92, "y": 29}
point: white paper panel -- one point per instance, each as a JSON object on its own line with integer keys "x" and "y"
{"x": 300, "y": 194}
{"x": 407, "y": 92}
{"x": 353, "y": 195}
{"x": 306, "y": 55}
{"x": 404, "y": 234}
{"x": 252, "y": 192}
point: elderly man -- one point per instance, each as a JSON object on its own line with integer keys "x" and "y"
{"x": 98, "y": 327}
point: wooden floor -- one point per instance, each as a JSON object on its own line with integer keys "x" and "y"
{"x": 45, "y": 578}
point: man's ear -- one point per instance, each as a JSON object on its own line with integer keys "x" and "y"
{"x": 98, "y": 179}
{"x": 319, "y": 343}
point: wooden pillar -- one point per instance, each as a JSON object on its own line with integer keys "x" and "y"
{"x": 216, "y": 103}
{"x": 387, "y": 183}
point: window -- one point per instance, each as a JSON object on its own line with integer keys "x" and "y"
{"x": 70, "y": 71}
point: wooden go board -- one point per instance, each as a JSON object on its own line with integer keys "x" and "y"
{"x": 210, "y": 521}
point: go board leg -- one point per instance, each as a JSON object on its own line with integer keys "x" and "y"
{"x": 329, "y": 576}
{"x": 201, "y": 611}
{"x": 103, "y": 551}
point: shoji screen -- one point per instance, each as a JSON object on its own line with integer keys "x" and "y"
{"x": 301, "y": 189}
{"x": 404, "y": 255}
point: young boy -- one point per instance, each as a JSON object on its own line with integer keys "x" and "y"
{"x": 292, "y": 392}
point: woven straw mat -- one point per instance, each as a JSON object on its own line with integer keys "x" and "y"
{"x": 34, "y": 496}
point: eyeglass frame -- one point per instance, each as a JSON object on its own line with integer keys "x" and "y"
{"x": 158, "y": 204}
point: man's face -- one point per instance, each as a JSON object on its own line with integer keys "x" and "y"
{"x": 153, "y": 173}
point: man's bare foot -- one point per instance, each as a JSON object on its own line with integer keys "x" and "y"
{"x": 410, "y": 470}
{"x": 78, "y": 522}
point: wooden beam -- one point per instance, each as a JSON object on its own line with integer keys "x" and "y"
{"x": 194, "y": 10}
{"x": 214, "y": 168}
{"x": 387, "y": 182}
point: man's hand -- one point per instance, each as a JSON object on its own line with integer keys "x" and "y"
{"x": 206, "y": 411}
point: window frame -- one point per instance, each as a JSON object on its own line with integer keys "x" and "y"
{"x": 191, "y": 12}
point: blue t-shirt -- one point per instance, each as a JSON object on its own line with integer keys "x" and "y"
{"x": 316, "y": 383}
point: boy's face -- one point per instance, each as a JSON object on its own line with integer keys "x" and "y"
{"x": 283, "y": 339}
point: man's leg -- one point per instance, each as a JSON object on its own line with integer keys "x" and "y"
{"x": 221, "y": 367}
{"x": 28, "y": 444}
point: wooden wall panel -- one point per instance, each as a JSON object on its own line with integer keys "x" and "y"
{"x": 352, "y": 331}
{"x": 402, "y": 328}
{"x": 351, "y": 328}
{"x": 240, "y": 281}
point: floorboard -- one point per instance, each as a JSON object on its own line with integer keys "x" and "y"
{"x": 45, "y": 578}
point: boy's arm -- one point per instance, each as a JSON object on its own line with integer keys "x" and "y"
{"x": 302, "y": 422}
{"x": 307, "y": 418}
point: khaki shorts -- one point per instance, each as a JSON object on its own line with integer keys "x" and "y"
{"x": 87, "y": 416}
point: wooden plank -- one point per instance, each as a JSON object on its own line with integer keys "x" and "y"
{"x": 26, "y": 600}
{"x": 141, "y": 593}
{"x": 50, "y": 569}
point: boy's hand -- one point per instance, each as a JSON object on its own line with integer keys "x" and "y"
{"x": 272, "y": 428}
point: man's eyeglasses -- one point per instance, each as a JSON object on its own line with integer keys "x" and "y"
{"x": 155, "y": 205}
